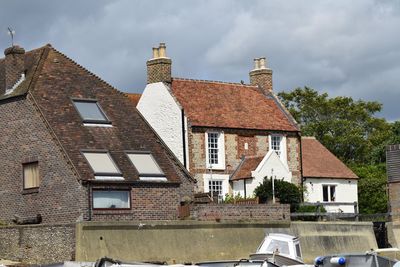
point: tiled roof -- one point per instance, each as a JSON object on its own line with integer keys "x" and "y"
{"x": 134, "y": 98}
{"x": 319, "y": 162}
{"x": 230, "y": 105}
{"x": 53, "y": 79}
{"x": 245, "y": 168}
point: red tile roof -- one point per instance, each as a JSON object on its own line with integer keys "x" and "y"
{"x": 134, "y": 98}
{"x": 319, "y": 162}
{"x": 245, "y": 168}
{"x": 230, "y": 105}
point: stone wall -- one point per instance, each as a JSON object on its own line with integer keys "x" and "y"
{"x": 229, "y": 212}
{"x": 42, "y": 244}
{"x": 394, "y": 200}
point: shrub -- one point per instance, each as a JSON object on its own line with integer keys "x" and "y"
{"x": 286, "y": 192}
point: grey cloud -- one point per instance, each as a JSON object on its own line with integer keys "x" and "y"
{"x": 341, "y": 47}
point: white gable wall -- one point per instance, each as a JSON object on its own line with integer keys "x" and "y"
{"x": 346, "y": 191}
{"x": 163, "y": 113}
{"x": 271, "y": 165}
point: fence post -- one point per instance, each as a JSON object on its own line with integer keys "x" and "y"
{"x": 356, "y": 210}
{"x": 319, "y": 211}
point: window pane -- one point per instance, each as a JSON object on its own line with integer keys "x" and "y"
{"x": 333, "y": 192}
{"x": 101, "y": 162}
{"x": 281, "y": 246}
{"x": 213, "y": 148}
{"x": 276, "y": 144}
{"x": 111, "y": 200}
{"x": 90, "y": 111}
{"x": 215, "y": 187}
{"x": 31, "y": 175}
{"x": 145, "y": 164}
{"x": 325, "y": 193}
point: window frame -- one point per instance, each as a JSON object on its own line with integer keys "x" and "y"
{"x": 23, "y": 175}
{"x": 221, "y": 151}
{"x": 210, "y": 186}
{"x": 282, "y": 146}
{"x": 109, "y": 190}
{"x": 329, "y": 186}
{"x": 102, "y": 174}
{"x": 106, "y": 121}
{"x": 147, "y": 176}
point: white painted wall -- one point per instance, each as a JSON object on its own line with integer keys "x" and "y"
{"x": 271, "y": 165}
{"x": 163, "y": 113}
{"x": 346, "y": 191}
{"x": 217, "y": 177}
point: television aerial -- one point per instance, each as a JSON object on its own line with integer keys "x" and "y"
{"x": 11, "y": 32}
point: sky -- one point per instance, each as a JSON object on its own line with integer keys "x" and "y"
{"x": 341, "y": 47}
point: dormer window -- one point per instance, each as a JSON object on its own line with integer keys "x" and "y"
{"x": 103, "y": 166}
{"x": 91, "y": 112}
{"x": 146, "y": 166}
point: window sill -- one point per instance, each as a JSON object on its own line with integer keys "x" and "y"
{"x": 30, "y": 191}
{"x": 105, "y": 125}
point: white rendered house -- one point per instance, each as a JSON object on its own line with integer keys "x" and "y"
{"x": 327, "y": 180}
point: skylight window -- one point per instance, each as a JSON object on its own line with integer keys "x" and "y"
{"x": 146, "y": 166}
{"x": 103, "y": 166}
{"x": 90, "y": 111}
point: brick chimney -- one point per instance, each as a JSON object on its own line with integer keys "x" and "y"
{"x": 14, "y": 66}
{"x": 261, "y": 75}
{"x": 159, "y": 67}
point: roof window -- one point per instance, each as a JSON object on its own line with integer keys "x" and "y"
{"x": 147, "y": 167}
{"x": 103, "y": 166}
{"x": 91, "y": 112}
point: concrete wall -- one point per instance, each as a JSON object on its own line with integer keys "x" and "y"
{"x": 41, "y": 244}
{"x": 163, "y": 113}
{"x": 184, "y": 241}
{"x": 393, "y": 230}
{"x": 346, "y": 191}
{"x": 323, "y": 238}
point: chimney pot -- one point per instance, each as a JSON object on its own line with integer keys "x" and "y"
{"x": 162, "y": 50}
{"x": 159, "y": 67}
{"x": 256, "y": 63}
{"x": 262, "y": 63}
{"x": 156, "y": 53}
{"x": 261, "y": 75}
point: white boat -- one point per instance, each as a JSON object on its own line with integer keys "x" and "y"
{"x": 368, "y": 259}
{"x": 281, "y": 249}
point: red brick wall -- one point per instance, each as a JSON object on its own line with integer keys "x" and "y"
{"x": 264, "y": 212}
{"x": 60, "y": 197}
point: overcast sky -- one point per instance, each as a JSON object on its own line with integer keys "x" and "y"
{"x": 342, "y": 47}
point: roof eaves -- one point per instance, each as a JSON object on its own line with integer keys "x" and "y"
{"x": 285, "y": 111}
{"x": 237, "y": 168}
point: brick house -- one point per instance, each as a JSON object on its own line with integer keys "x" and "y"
{"x": 74, "y": 148}
{"x": 393, "y": 175}
{"x": 213, "y": 126}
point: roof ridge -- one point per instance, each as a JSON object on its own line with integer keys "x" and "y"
{"x": 213, "y": 81}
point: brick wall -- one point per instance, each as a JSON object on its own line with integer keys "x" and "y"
{"x": 294, "y": 158}
{"x": 60, "y": 197}
{"x": 148, "y": 202}
{"x": 224, "y": 212}
{"x": 235, "y": 140}
{"x": 43, "y": 244}
{"x": 394, "y": 199}
{"x": 159, "y": 70}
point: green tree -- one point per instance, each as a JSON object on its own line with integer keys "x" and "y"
{"x": 348, "y": 128}
{"x": 372, "y": 195}
{"x": 286, "y": 192}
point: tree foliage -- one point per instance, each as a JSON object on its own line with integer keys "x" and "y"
{"x": 286, "y": 192}
{"x": 352, "y": 131}
{"x": 372, "y": 197}
{"x": 348, "y": 128}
